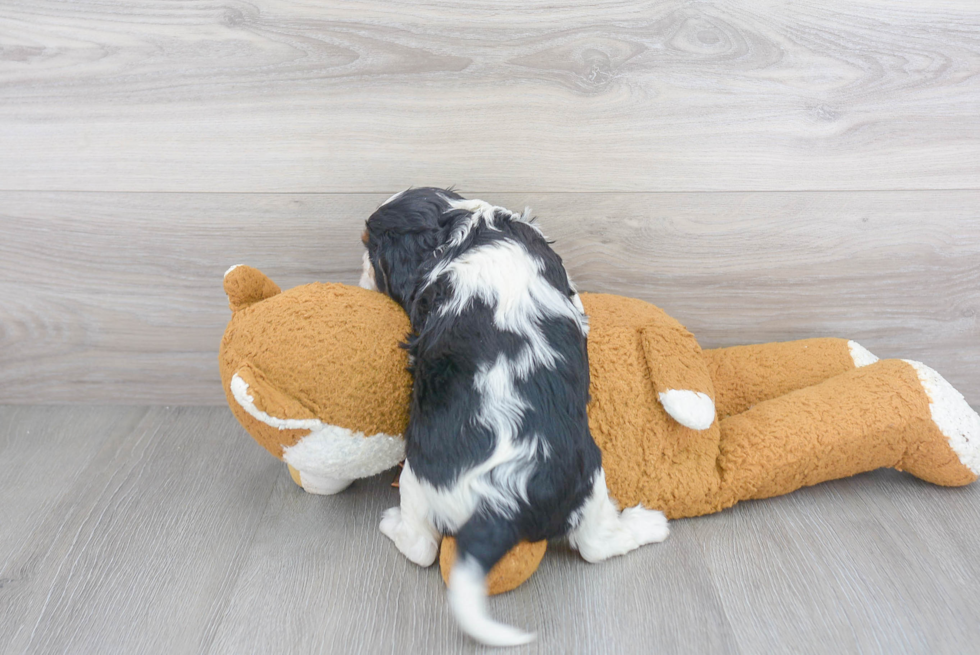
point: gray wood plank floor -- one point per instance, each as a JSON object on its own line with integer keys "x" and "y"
{"x": 167, "y": 530}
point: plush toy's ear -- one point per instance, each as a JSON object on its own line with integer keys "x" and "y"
{"x": 246, "y": 286}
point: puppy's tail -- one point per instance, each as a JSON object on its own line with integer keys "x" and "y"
{"x": 480, "y": 544}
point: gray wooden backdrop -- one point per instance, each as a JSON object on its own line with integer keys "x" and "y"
{"x": 763, "y": 170}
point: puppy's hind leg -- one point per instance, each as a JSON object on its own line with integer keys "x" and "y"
{"x": 410, "y": 524}
{"x": 603, "y": 531}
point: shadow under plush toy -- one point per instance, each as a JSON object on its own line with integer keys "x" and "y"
{"x": 316, "y": 375}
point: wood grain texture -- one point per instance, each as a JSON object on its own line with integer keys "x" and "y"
{"x": 143, "y": 543}
{"x": 47, "y": 457}
{"x": 292, "y": 95}
{"x": 344, "y": 588}
{"x": 853, "y": 565}
{"x": 169, "y": 530}
{"x": 117, "y": 297}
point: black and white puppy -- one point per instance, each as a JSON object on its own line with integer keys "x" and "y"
{"x": 498, "y": 447}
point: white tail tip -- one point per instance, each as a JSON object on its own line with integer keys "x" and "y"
{"x": 468, "y": 600}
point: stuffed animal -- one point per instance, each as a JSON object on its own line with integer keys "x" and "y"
{"x": 316, "y": 375}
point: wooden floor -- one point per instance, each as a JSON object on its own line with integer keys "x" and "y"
{"x": 167, "y": 530}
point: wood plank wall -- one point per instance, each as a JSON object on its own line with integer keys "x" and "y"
{"x": 763, "y": 170}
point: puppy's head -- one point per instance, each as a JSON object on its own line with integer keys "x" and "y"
{"x": 399, "y": 236}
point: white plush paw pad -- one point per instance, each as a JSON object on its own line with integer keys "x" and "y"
{"x": 416, "y": 544}
{"x": 648, "y": 526}
{"x": 692, "y": 409}
{"x": 323, "y": 485}
{"x": 861, "y": 355}
{"x": 952, "y": 415}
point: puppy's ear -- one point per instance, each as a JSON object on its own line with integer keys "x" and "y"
{"x": 399, "y": 258}
{"x": 454, "y": 226}
{"x": 423, "y": 302}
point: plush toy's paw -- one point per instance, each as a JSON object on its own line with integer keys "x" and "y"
{"x": 415, "y": 543}
{"x": 861, "y": 355}
{"x": 322, "y": 485}
{"x": 692, "y": 409}
{"x": 647, "y": 525}
{"x": 952, "y": 415}
{"x": 314, "y": 484}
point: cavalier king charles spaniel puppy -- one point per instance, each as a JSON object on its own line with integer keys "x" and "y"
{"x": 498, "y": 447}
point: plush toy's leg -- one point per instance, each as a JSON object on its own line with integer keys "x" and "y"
{"x": 744, "y": 376}
{"x": 318, "y": 484}
{"x": 889, "y": 414}
{"x": 408, "y": 525}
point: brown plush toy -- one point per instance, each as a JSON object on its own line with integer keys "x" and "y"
{"x": 316, "y": 376}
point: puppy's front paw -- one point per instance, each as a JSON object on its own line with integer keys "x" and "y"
{"x": 415, "y": 542}
{"x": 648, "y": 526}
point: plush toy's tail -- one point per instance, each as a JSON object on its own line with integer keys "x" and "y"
{"x": 481, "y": 543}
{"x": 246, "y": 286}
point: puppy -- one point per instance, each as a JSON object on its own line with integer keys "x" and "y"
{"x": 497, "y": 447}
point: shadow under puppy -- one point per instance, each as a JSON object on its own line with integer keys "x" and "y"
{"x": 497, "y": 447}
